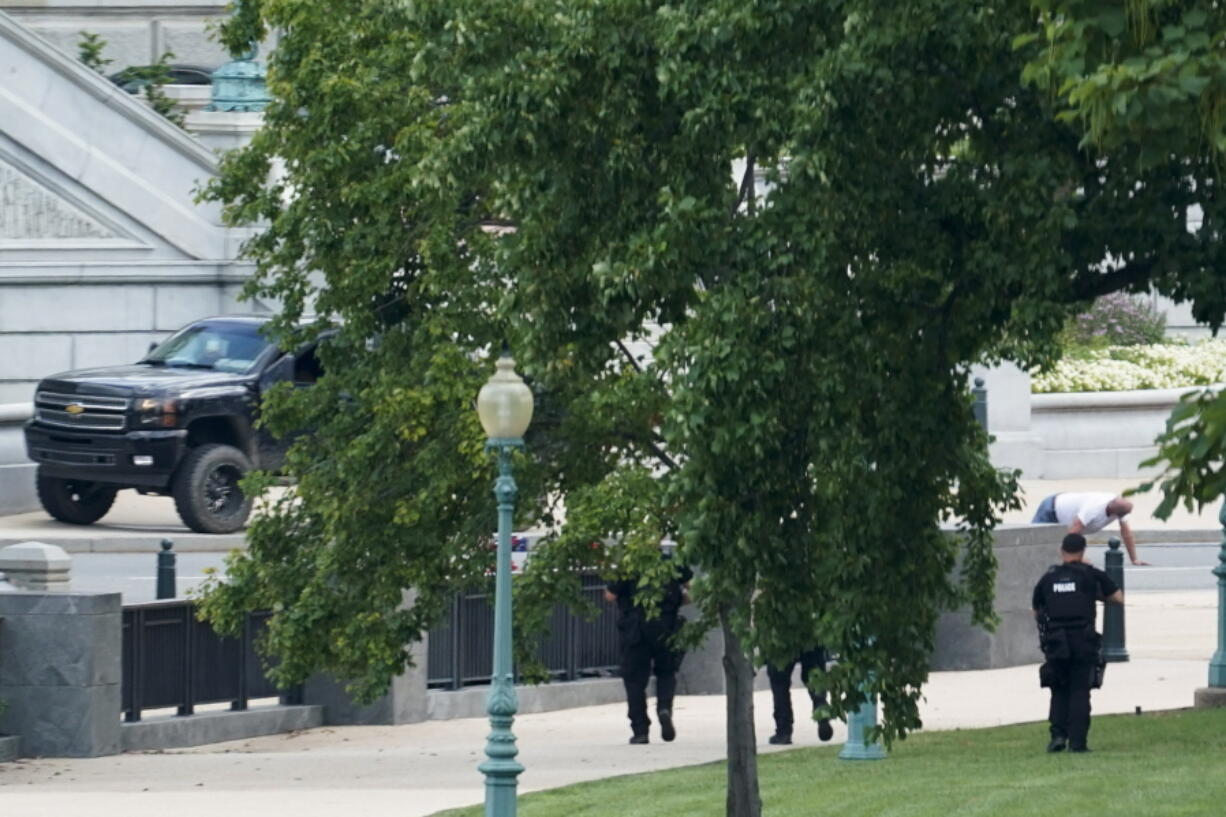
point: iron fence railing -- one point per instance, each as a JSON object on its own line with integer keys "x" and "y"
{"x": 172, "y": 660}
{"x": 460, "y": 648}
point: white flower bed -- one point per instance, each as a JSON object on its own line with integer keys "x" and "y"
{"x": 1125, "y": 368}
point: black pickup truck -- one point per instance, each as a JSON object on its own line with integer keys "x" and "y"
{"x": 180, "y": 422}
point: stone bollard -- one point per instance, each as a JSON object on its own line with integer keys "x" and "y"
{"x": 60, "y": 658}
{"x": 36, "y": 566}
{"x": 1113, "y": 614}
{"x": 166, "y": 571}
{"x": 979, "y": 405}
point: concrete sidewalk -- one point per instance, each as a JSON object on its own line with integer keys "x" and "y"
{"x": 422, "y": 768}
{"x": 135, "y": 523}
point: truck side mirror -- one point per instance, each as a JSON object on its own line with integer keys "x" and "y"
{"x": 280, "y": 370}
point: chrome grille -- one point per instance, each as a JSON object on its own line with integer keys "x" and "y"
{"x": 93, "y": 413}
{"x": 73, "y": 458}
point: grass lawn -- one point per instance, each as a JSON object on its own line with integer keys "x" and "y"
{"x": 1156, "y": 765}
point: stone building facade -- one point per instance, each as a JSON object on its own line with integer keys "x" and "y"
{"x": 137, "y": 32}
{"x": 103, "y": 246}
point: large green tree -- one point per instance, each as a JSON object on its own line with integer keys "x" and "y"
{"x": 1141, "y": 75}
{"x": 1145, "y": 80}
{"x": 818, "y": 215}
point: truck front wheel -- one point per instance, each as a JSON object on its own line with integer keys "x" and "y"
{"x": 207, "y": 495}
{"x": 76, "y": 501}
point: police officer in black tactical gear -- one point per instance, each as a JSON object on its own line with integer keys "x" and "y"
{"x": 813, "y": 660}
{"x": 1065, "y": 607}
{"x": 647, "y": 646}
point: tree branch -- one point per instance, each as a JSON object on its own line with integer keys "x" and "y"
{"x": 661, "y": 454}
{"x": 651, "y": 444}
{"x": 1090, "y": 286}
{"x": 629, "y": 357}
{"x": 745, "y": 193}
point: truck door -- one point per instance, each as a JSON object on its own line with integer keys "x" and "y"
{"x": 302, "y": 369}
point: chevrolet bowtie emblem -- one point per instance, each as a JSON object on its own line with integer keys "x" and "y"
{"x": 74, "y": 409}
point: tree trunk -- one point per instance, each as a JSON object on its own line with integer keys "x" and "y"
{"x": 743, "y": 798}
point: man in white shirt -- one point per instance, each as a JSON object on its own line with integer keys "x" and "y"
{"x": 1089, "y": 513}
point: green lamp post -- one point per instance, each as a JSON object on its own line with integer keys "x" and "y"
{"x": 505, "y": 408}
{"x": 1217, "y": 664}
{"x": 860, "y": 725}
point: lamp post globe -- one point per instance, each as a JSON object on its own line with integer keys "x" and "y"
{"x": 504, "y": 406}
{"x": 505, "y": 403}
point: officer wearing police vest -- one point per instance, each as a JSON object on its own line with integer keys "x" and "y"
{"x": 647, "y": 647}
{"x": 1065, "y": 607}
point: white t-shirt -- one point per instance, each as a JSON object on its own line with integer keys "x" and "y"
{"x": 1090, "y": 508}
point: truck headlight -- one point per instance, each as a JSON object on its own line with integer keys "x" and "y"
{"x": 152, "y": 411}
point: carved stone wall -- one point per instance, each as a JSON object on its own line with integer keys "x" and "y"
{"x": 30, "y": 211}
{"x": 137, "y": 32}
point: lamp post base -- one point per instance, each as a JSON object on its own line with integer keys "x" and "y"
{"x": 862, "y": 751}
{"x": 1210, "y": 698}
{"x": 501, "y": 787}
{"x": 859, "y": 726}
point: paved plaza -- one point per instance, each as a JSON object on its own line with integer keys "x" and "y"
{"x": 421, "y": 768}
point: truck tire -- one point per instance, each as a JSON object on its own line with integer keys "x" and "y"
{"x": 206, "y": 491}
{"x": 75, "y": 501}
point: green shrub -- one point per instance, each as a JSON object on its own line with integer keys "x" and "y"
{"x": 89, "y": 52}
{"x": 1121, "y": 368}
{"x": 148, "y": 80}
{"x": 1118, "y": 319}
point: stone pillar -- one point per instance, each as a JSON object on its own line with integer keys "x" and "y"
{"x": 1016, "y": 444}
{"x": 35, "y": 566}
{"x": 60, "y": 672}
{"x": 1023, "y": 553}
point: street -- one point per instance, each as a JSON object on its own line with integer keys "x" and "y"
{"x": 1174, "y": 567}
{"x": 135, "y": 574}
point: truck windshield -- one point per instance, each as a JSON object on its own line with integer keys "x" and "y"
{"x": 225, "y": 347}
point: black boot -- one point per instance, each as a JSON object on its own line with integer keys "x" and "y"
{"x": 667, "y": 730}
{"x": 638, "y": 739}
{"x": 781, "y": 739}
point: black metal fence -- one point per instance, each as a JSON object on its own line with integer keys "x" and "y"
{"x": 460, "y": 650}
{"x": 172, "y": 660}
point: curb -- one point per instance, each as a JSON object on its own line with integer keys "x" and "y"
{"x": 10, "y": 747}
{"x": 224, "y": 543}
{"x": 124, "y": 543}
{"x": 1202, "y": 536}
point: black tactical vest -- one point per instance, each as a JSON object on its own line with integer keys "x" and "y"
{"x": 1069, "y": 594}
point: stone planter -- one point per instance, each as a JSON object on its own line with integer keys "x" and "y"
{"x": 9, "y": 746}
{"x": 1101, "y": 434}
{"x": 1022, "y": 552}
